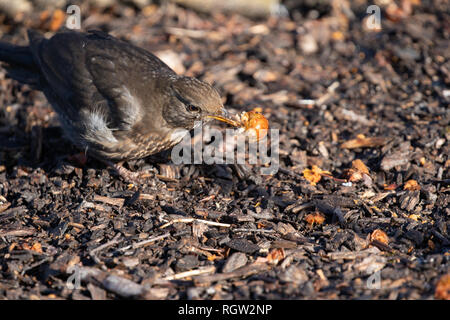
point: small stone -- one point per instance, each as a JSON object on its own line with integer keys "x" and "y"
{"x": 308, "y": 44}
{"x": 294, "y": 274}
{"x": 235, "y": 261}
{"x": 371, "y": 264}
{"x": 130, "y": 262}
{"x": 186, "y": 263}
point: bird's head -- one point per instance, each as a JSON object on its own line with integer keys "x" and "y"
{"x": 191, "y": 101}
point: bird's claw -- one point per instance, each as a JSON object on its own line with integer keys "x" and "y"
{"x": 134, "y": 177}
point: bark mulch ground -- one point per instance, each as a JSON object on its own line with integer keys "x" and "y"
{"x": 359, "y": 208}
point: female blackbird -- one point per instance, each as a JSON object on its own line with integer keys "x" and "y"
{"x": 114, "y": 100}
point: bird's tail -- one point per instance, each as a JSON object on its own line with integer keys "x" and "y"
{"x": 20, "y": 63}
{"x": 17, "y": 55}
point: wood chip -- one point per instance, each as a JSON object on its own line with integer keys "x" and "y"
{"x": 235, "y": 261}
{"x": 242, "y": 272}
{"x": 112, "y": 201}
{"x": 364, "y": 143}
{"x": 242, "y": 245}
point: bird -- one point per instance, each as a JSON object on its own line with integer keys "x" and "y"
{"x": 115, "y": 101}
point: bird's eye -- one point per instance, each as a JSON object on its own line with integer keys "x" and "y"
{"x": 192, "y": 108}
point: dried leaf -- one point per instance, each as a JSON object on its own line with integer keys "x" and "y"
{"x": 58, "y": 18}
{"x": 360, "y": 166}
{"x": 314, "y": 174}
{"x": 411, "y": 185}
{"x": 213, "y": 257}
{"x": 36, "y": 247}
{"x": 275, "y": 256}
{"x": 337, "y": 35}
{"x": 358, "y": 171}
{"x": 443, "y": 288}
{"x": 379, "y": 235}
{"x": 391, "y": 186}
{"x": 315, "y": 218}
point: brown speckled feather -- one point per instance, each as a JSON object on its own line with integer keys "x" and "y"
{"x": 114, "y": 99}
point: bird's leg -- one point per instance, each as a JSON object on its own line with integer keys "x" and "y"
{"x": 78, "y": 159}
{"x": 127, "y": 175}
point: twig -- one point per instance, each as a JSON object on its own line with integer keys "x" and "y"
{"x": 34, "y": 265}
{"x": 297, "y": 208}
{"x": 352, "y": 255}
{"x": 190, "y": 273}
{"x": 13, "y": 212}
{"x": 253, "y": 230}
{"x": 189, "y": 220}
{"x": 18, "y": 232}
{"x": 112, "y": 201}
{"x": 110, "y": 282}
{"x": 290, "y": 173}
{"x": 76, "y": 225}
{"x": 145, "y": 196}
{"x": 180, "y": 32}
{"x": 242, "y": 272}
{"x": 328, "y": 94}
{"x": 112, "y": 242}
{"x": 90, "y": 205}
{"x": 211, "y": 197}
{"x": 145, "y": 242}
{"x": 443, "y": 239}
{"x": 380, "y": 245}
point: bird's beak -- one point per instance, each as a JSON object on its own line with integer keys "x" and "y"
{"x": 224, "y": 117}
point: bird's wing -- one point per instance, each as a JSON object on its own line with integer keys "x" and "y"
{"x": 93, "y": 73}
